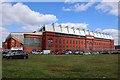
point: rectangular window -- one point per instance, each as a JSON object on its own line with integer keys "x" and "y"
{"x": 76, "y": 42}
{"x": 32, "y": 42}
{"x": 66, "y": 41}
{"x": 70, "y": 41}
{"x": 73, "y": 42}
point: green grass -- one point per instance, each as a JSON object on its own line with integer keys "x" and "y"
{"x": 62, "y": 66}
{"x": 0, "y": 65}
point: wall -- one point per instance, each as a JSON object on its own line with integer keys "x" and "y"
{"x": 82, "y": 44}
{"x": 30, "y": 48}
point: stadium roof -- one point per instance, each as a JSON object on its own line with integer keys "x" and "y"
{"x": 74, "y": 31}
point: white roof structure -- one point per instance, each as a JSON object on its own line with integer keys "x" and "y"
{"x": 37, "y": 33}
{"x": 20, "y": 35}
{"x": 75, "y": 31}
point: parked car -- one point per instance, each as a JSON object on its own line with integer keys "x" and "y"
{"x": 81, "y": 52}
{"x": 40, "y": 52}
{"x": 37, "y": 52}
{"x": 105, "y": 52}
{"x": 16, "y": 54}
{"x": 95, "y": 53}
{"x": 4, "y": 54}
{"x": 86, "y": 53}
{"x": 76, "y": 52}
{"x": 34, "y": 52}
{"x": 46, "y": 51}
{"x": 60, "y": 52}
{"x": 68, "y": 52}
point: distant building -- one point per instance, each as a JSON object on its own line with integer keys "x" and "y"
{"x": 57, "y": 38}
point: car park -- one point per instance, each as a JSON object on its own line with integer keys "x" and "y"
{"x": 16, "y": 55}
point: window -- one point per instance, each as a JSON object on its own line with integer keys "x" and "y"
{"x": 66, "y": 41}
{"x": 73, "y": 42}
{"x": 32, "y": 42}
{"x": 76, "y": 46}
{"x": 91, "y": 43}
{"x": 50, "y": 41}
{"x": 76, "y": 42}
{"x": 90, "y": 47}
{"x": 70, "y": 41}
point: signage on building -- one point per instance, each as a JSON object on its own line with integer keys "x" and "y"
{"x": 90, "y": 37}
{"x": 17, "y": 48}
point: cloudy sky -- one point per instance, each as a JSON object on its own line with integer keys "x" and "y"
{"x": 30, "y": 16}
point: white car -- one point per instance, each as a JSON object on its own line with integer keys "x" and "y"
{"x": 68, "y": 52}
{"x": 86, "y": 53}
{"x": 95, "y": 52}
{"x": 37, "y": 52}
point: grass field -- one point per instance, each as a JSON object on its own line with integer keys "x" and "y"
{"x": 62, "y": 66}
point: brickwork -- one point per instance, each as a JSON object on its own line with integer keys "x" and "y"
{"x": 55, "y": 41}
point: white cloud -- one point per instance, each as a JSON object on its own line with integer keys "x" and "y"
{"x": 3, "y": 0}
{"x": 30, "y": 28}
{"x": 110, "y": 0}
{"x": 83, "y": 7}
{"x": 22, "y": 14}
{"x": 79, "y": 7}
{"x": 108, "y": 7}
{"x": 3, "y": 34}
{"x": 112, "y": 32}
{"x": 73, "y": 1}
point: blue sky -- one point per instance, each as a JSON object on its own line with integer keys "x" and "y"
{"x": 29, "y": 16}
{"x": 93, "y": 17}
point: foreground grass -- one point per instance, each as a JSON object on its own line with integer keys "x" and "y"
{"x": 62, "y": 66}
{"x": 0, "y": 65}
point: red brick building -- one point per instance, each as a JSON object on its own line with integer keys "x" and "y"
{"x": 58, "y": 38}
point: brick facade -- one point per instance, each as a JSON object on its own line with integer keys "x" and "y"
{"x": 88, "y": 43}
{"x": 57, "y": 41}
